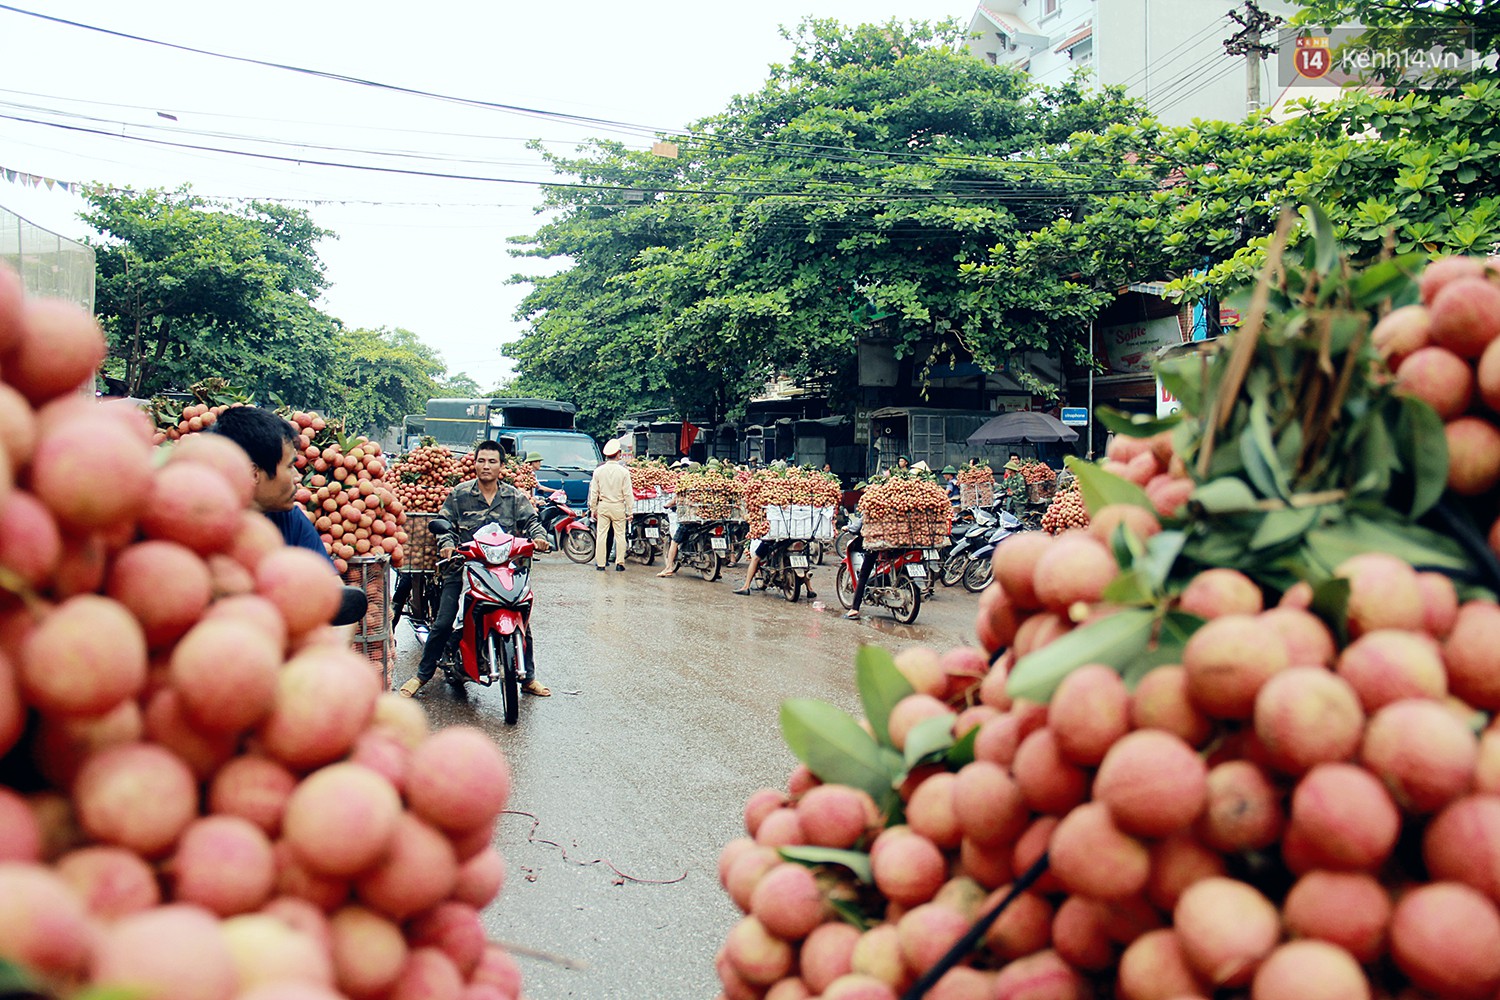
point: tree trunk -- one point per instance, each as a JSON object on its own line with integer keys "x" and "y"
{"x": 148, "y": 368}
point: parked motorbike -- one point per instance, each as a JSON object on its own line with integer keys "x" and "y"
{"x": 895, "y": 582}
{"x": 980, "y": 569}
{"x": 567, "y": 529}
{"x": 966, "y": 538}
{"x": 491, "y": 642}
{"x": 786, "y": 564}
{"x": 705, "y": 547}
{"x": 646, "y": 537}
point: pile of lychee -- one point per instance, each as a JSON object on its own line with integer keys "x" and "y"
{"x": 203, "y": 793}
{"x": 1445, "y": 350}
{"x": 1278, "y": 813}
{"x": 422, "y": 478}
{"x": 346, "y": 494}
{"x": 1067, "y": 510}
{"x": 192, "y": 418}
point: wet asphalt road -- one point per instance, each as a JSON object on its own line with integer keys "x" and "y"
{"x": 662, "y": 720}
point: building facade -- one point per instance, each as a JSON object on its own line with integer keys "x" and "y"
{"x": 1168, "y": 53}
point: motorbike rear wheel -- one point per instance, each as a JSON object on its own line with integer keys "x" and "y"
{"x": 640, "y": 550}
{"x": 711, "y": 569}
{"x": 793, "y": 589}
{"x": 910, "y": 597}
{"x": 977, "y": 575}
{"x": 578, "y": 545}
{"x": 510, "y": 685}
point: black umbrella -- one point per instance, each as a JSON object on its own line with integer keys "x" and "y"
{"x": 1023, "y": 427}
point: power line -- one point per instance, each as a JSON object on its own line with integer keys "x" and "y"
{"x": 602, "y": 123}
{"x": 1015, "y": 193}
{"x": 1186, "y": 94}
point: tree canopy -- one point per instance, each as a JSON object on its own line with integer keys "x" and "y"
{"x": 189, "y": 289}
{"x": 1418, "y": 169}
{"x": 836, "y": 200}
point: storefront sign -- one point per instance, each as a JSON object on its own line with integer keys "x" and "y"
{"x": 1131, "y": 347}
{"x": 1166, "y": 403}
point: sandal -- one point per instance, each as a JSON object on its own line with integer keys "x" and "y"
{"x": 742, "y": 591}
{"x": 410, "y": 688}
{"x": 852, "y": 615}
{"x": 667, "y": 572}
{"x": 536, "y": 688}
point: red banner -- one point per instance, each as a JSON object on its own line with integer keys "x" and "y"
{"x": 689, "y": 435}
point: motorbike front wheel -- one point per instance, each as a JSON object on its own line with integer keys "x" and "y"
{"x": 578, "y": 545}
{"x": 510, "y": 686}
{"x": 908, "y": 600}
{"x": 977, "y": 575}
{"x": 953, "y": 569}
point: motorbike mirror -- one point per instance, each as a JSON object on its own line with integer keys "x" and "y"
{"x": 353, "y": 603}
{"x": 439, "y": 525}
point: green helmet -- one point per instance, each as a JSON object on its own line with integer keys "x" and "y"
{"x": 949, "y": 470}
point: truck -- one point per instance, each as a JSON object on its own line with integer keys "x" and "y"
{"x": 545, "y": 426}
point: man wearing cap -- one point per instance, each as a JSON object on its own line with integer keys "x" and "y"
{"x": 950, "y": 482}
{"x": 1013, "y": 487}
{"x": 611, "y": 500}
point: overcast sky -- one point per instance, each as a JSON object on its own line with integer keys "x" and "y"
{"x": 423, "y": 253}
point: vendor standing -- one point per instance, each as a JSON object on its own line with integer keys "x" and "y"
{"x": 950, "y": 482}
{"x": 1013, "y": 488}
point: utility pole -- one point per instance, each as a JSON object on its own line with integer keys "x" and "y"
{"x": 1254, "y": 23}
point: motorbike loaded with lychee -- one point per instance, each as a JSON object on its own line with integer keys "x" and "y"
{"x": 491, "y": 641}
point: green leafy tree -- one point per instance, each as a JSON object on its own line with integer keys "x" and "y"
{"x": 1418, "y": 169}
{"x": 835, "y": 201}
{"x": 459, "y": 386}
{"x": 181, "y": 280}
{"x": 379, "y": 376}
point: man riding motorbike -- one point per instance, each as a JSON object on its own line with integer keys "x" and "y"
{"x": 473, "y": 504}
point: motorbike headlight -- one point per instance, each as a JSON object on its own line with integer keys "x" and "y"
{"x": 496, "y": 554}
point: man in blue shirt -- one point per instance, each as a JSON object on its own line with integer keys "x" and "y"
{"x": 271, "y": 443}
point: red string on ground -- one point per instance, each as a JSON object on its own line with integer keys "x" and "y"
{"x": 621, "y": 877}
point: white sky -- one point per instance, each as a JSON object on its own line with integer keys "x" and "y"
{"x": 436, "y": 265}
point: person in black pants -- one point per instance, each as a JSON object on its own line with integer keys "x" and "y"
{"x": 866, "y": 566}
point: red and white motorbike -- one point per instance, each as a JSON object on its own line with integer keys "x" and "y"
{"x": 491, "y": 640}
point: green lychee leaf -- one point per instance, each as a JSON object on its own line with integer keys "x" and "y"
{"x": 1100, "y": 488}
{"x": 929, "y": 739}
{"x": 1113, "y": 641}
{"x": 857, "y": 862}
{"x": 837, "y": 750}
{"x": 880, "y": 686}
